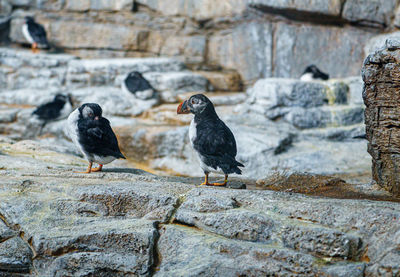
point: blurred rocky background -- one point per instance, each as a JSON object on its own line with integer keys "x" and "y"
{"x": 247, "y": 56}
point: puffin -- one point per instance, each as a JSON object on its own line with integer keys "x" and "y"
{"x": 35, "y": 34}
{"x": 212, "y": 140}
{"x": 312, "y": 72}
{"x": 92, "y": 134}
{"x": 136, "y": 84}
{"x": 58, "y": 109}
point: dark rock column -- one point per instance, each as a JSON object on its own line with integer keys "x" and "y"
{"x": 381, "y": 75}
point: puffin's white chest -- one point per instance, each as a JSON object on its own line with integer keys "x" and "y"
{"x": 26, "y": 33}
{"x": 65, "y": 111}
{"x": 72, "y": 128}
{"x": 307, "y": 77}
{"x": 192, "y": 131}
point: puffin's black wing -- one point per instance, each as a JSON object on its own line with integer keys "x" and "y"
{"x": 49, "y": 111}
{"x": 216, "y": 144}
{"x": 97, "y": 137}
{"x": 38, "y": 33}
{"x": 136, "y": 82}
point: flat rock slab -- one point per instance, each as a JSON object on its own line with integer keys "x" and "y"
{"x": 127, "y": 222}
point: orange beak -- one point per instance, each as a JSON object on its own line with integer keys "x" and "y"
{"x": 183, "y": 108}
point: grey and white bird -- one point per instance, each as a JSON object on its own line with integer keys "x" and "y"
{"x": 137, "y": 85}
{"x": 35, "y": 34}
{"x": 92, "y": 134}
{"x": 312, "y": 72}
{"x": 59, "y": 108}
{"x": 212, "y": 140}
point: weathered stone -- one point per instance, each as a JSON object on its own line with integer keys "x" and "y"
{"x": 247, "y": 49}
{"x": 28, "y": 96}
{"x": 342, "y": 133}
{"x": 113, "y": 101}
{"x": 222, "y": 257}
{"x": 229, "y": 99}
{"x": 77, "y": 5}
{"x": 106, "y": 223}
{"x": 276, "y": 92}
{"x": 171, "y": 84}
{"x": 379, "y": 42}
{"x": 380, "y": 74}
{"x": 100, "y": 72}
{"x": 325, "y": 116}
{"x": 114, "y": 36}
{"x": 223, "y": 81}
{"x": 199, "y": 10}
{"x": 112, "y": 5}
{"x": 369, "y": 12}
{"x": 6, "y": 232}
{"x": 292, "y": 8}
{"x": 356, "y": 86}
{"x": 5, "y": 8}
{"x": 15, "y": 256}
{"x": 344, "y": 270}
{"x": 330, "y": 48}
{"x": 50, "y": 5}
{"x": 191, "y": 49}
{"x": 7, "y": 116}
{"x": 21, "y": 3}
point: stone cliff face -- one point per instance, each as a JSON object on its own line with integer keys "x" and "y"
{"x": 256, "y": 38}
{"x": 381, "y": 73}
{"x": 126, "y": 222}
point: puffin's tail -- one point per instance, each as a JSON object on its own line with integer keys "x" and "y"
{"x": 232, "y": 165}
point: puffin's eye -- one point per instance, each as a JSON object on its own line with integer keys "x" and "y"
{"x": 193, "y": 101}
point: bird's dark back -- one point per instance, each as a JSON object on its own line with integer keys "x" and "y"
{"x": 50, "y": 110}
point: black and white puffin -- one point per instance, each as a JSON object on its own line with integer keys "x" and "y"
{"x": 35, "y": 34}
{"x": 313, "y": 73}
{"x": 59, "y": 108}
{"x": 211, "y": 138}
{"x": 136, "y": 84}
{"x": 93, "y": 135}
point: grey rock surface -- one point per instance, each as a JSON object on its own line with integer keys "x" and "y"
{"x": 172, "y": 84}
{"x": 246, "y": 48}
{"x": 330, "y": 48}
{"x": 330, "y": 7}
{"x": 125, "y": 221}
{"x": 369, "y": 12}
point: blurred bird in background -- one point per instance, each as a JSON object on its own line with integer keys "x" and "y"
{"x": 312, "y": 72}
{"x": 35, "y": 34}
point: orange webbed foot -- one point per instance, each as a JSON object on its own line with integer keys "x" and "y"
{"x": 98, "y": 168}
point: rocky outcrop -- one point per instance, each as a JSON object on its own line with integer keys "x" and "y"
{"x": 279, "y": 124}
{"x": 380, "y": 72}
{"x": 126, "y": 222}
{"x": 255, "y": 38}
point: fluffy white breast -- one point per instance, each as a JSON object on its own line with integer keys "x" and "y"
{"x": 307, "y": 77}
{"x": 26, "y": 33}
{"x": 192, "y": 131}
{"x": 65, "y": 111}
{"x": 72, "y": 129}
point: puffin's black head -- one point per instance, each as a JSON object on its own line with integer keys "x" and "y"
{"x": 90, "y": 111}
{"x": 316, "y": 73}
{"x": 311, "y": 69}
{"x": 29, "y": 19}
{"x": 135, "y": 74}
{"x": 61, "y": 98}
{"x": 196, "y": 104}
